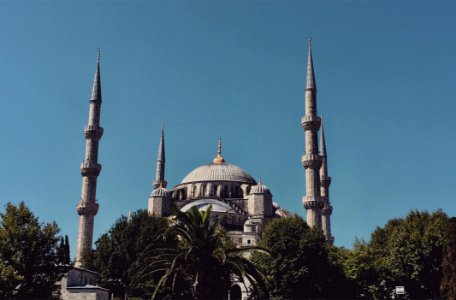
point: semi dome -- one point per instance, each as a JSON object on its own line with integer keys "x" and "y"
{"x": 203, "y": 205}
{"x": 218, "y": 172}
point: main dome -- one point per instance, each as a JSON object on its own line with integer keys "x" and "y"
{"x": 219, "y": 172}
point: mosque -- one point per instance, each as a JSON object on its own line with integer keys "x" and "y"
{"x": 245, "y": 204}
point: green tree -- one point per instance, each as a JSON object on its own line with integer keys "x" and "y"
{"x": 117, "y": 250}
{"x": 300, "y": 265}
{"x": 448, "y": 285}
{"x": 9, "y": 279}
{"x": 30, "y": 263}
{"x": 202, "y": 265}
{"x": 405, "y": 252}
{"x": 64, "y": 250}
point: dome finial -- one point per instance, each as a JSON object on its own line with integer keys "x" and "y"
{"x": 219, "y": 159}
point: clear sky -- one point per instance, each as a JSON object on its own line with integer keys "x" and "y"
{"x": 386, "y": 74}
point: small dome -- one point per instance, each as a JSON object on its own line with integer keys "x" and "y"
{"x": 159, "y": 192}
{"x": 280, "y": 212}
{"x": 218, "y": 172}
{"x": 260, "y": 188}
{"x": 203, "y": 205}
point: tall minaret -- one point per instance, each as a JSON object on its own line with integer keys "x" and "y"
{"x": 90, "y": 169}
{"x": 311, "y": 159}
{"x": 325, "y": 182}
{"x": 160, "y": 171}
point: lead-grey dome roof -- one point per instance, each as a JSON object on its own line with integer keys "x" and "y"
{"x": 159, "y": 192}
{"x": 218, "y": 172}
{"x": 260, "y": 189}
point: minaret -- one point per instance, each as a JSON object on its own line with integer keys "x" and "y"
{"x": 311, "y": 159}
{"x": 325, "y": 182}
{"x": 90, "y": 169}
{"x": 160, "y": 170}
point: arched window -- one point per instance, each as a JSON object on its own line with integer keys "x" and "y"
{"x": 194, "y": 190}
{"x": 203, "y": 190}
{"x": 226, "y": 191}
{"x": 235, "y": 292}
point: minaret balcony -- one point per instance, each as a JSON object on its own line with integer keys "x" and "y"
{"x": 310, "y": 122}
{"x": 93, "y": 132}
{"x": 313, "y": 204}
{"x": 89, "y": 168}
{"x": 312, "y": 161}
{"x": 325, "y": 181}
{"x": 90, "y": 208}
{"x": 327, "y": 209}
{"x": 157, "y": 183}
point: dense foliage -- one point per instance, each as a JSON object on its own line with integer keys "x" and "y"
{"x": 301, "y": 264}
{"x": 192, "y": 257}
{"x": 448, "y": 284}
{"x": 405, "y": 252}
{"x": 202, "y": 265}
{"x": 32, "y": 256}
{"x": 119, "y": 249}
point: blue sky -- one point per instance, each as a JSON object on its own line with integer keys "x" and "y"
{"x": 385, "y": 70}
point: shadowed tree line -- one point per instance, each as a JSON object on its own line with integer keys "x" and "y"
{"x": 416, "y": 252}
{"x": 190, "y": 257}
{"x": 405, "y": 252}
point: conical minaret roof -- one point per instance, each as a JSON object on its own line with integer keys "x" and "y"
{"x": 160, "y": 167}
{"x": 96, "y": 88}
{"x": 310, "y": 78}
{"x": 322, "y": 140}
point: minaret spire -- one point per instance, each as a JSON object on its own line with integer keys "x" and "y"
{"x": 310, "y": 78}
{"x": 311, "y": 160}
{"x": 96, "y": 88}
{"x": 160, "y": 170}
{"x": 325, "y": 182}
{"x": 90, "y": 169}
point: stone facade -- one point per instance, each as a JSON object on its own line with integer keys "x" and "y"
{"x": 80, "y": 284}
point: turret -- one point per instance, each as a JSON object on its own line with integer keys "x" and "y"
{"x": 90, "y": 169}
{"x": 159, "y": 202}
{"x": 259, "y": 201}
{"x": 311, "y": 160}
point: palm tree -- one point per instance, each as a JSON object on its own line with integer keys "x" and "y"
{"x": 201, "y": 263}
